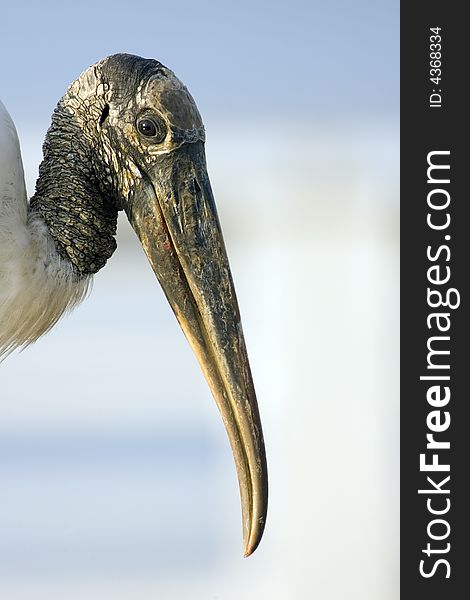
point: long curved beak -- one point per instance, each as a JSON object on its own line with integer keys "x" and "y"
{"x": 174, "y": 214}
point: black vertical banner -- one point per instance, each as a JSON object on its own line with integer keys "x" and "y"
{"x": 435, "y": 302}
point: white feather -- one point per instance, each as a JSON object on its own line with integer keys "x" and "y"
{"x": 36, "y": 285}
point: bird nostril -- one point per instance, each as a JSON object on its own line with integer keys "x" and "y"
{"x": 197, "y": 195}
{"x": 104, "y": 114}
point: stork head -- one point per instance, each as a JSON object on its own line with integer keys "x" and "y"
{"x": 128, "y": 135}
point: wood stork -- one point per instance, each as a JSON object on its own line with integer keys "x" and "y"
{"x": 127, "y": 135}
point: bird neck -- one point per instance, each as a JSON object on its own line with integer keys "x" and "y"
{"x": 80, "y": 218}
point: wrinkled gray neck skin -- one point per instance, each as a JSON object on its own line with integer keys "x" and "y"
{"x": 80, "y": 217}
{"x": 73, "y": 194}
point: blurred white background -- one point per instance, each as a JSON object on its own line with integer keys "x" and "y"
{"x": 116, "y": 477}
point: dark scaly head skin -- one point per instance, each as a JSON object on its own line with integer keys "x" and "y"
{"x": 128, "y": 135}
{"x": 94, "y": 154}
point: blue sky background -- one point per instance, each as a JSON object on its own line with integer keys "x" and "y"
{"x": 239, "y": 58}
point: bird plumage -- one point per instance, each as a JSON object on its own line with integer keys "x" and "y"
{"x": 36, "y": 284}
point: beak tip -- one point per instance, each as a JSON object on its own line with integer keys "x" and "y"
{"x": 253, "y": 538}
{"x": 250, "y": 547}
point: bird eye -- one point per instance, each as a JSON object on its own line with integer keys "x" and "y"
{"x": 151, "y": 128}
